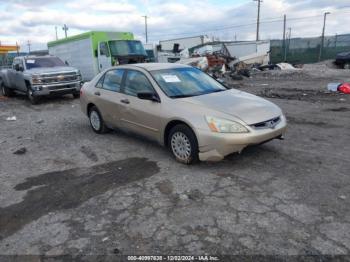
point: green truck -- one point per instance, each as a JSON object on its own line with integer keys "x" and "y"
{"x": 94, "y": 51}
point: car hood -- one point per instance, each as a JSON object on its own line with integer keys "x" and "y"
{"x": 51, "y": 70}
{"x": 247, "y": 107}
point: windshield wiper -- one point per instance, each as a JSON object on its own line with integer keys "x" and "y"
{"x": 180, "y": 96}
{"x": 219, "y": 90}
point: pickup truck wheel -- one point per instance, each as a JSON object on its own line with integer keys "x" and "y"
{"x": 33, "y": 99}
{"x": 96, "y": 121}
{"x": 347, "y": 66}
{"x": 5, "y": 90}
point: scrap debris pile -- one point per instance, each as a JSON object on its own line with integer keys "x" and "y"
{"x": 230, "y": 61}
{"x": 220, "y": 59}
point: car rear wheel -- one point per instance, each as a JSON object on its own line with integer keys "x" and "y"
{"x": 5, "y": 90}
{"x": 96, "y": 121}
{"x": 183, "y": 144}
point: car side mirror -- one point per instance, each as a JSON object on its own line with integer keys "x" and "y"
{"x": 148, "y": 96}
{"x": 17, "y": 67}
{"x": 66, "y": 62}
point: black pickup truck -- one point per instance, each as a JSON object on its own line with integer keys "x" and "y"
{"x": 343, "y": 60}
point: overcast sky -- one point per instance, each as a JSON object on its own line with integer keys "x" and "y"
{"x": 35, "y": 20}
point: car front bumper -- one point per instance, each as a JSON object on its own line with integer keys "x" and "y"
{"x": 215, "y": 146}
{"x": 57, "y": 88}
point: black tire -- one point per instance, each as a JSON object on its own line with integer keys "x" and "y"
{"x": 76, "y": 95}
{"x": 180, "y": 139}
{"x": 34, "y": 100}
{"x": 5, "y": 90}
{"x": 101, "y": 127}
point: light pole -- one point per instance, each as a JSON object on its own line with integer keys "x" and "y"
{"x": 65, "y": 29}
{"x": 145, "y": 16}
{"x": 322, "y": 38}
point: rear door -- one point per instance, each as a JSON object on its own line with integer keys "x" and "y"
{"x": 107, "y": 96}
{"x": 138, "y": 115}
{"x": 104, "y": 57}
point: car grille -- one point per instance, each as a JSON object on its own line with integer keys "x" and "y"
{"x": 59, "y": 78}
{"x": 267, "y": 124}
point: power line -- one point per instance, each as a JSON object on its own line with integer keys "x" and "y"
{"x": 236, "y": 26}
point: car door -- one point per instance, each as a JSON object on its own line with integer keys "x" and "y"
{"x": 12, "y": 74}
{"x": 19, "y": 78}
{"x": 104, "y": 58}
{"x": 139, "y": 115}
{"x": 107, "y": 96}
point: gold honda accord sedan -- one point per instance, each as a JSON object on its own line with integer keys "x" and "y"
{"x": 182, "y": 108}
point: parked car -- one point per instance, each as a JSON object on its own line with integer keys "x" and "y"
{"x": 343, "y": 60}
{"x": 39, "y": 76}
{"x": 182, "y": 108}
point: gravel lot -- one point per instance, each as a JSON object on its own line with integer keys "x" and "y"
{"x": 76, "y": 192}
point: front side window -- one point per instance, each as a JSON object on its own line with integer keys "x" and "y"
{"x": 137, "y": 82}
{"x": 186, "y": 82}
{"x": 104, "y": 49}
{"x": 113, "y": 80}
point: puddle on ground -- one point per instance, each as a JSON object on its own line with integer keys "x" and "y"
{"x": 300, "y": 94}
{"x": 300, "y": 121}
{"x": 70, "y": 188}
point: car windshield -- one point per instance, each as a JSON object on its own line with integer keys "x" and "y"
{"x": 186, "y": 82}
{"x": 126, "y": 47}
{"x": 43, "y": 62}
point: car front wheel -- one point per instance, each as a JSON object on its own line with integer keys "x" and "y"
{"x": 33, "y": 99}
{"x": 183, "y": 144}
{"x": 96, "y": 121}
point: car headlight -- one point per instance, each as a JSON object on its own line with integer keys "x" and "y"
{"x": 78, "y": 75}
{"x": 36, "y": 79}
{"x": 220, "y": 125}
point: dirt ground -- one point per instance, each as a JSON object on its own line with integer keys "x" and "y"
{"x": 73, "y": 192}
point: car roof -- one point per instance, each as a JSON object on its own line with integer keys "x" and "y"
{"x": 157, "y": 66}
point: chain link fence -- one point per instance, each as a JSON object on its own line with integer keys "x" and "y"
{"x": 306, "y": 50}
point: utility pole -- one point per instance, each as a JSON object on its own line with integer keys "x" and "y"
{"x": 28, "y": 44}
{"x": 335, "y": 41}
{"x": 258, "y": 20}
{"x": 287, "y": 44}
{"x": 56, "y": 32}
{"x": 322, "y": 38}
{"x": 17, "y": 47}
{"x": 146, "y": 33}
{"x": 65, "y": 29}
{"x": 284, "y": 38}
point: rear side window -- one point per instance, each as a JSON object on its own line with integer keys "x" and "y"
{"x": 137, "y": 82}
{"x": 113, "y": 79}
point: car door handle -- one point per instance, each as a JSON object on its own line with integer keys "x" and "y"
{"x": 125, "y": 101}
{"x": 97, "y": 93}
